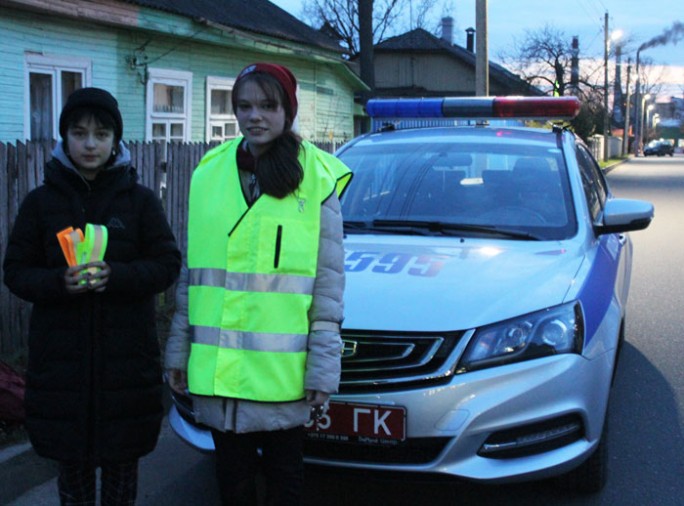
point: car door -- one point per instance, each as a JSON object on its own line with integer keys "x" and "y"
{"x": 615, "y": 250}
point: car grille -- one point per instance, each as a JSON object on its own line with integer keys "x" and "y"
{"x": 380, "y": 362}
{"x": 411, "y": 451}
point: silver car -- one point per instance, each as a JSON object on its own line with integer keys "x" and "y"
{"x": 488, "y": 269}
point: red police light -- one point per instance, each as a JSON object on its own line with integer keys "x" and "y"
{"x": 536, "y": 107}
{"x": 476, "y": 107}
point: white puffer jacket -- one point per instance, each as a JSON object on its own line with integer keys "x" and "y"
{"x": 323, "y": 362}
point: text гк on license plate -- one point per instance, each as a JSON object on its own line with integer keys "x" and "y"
{"x": 360, "y": 423}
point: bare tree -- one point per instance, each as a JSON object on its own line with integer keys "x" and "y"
{"x": 340, "y": 18}
{"x": 543, "y": 58}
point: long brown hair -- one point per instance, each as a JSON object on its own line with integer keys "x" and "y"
{"x": 278, "y": 170}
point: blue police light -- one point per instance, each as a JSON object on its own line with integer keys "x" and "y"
{"x": 405, "y": 108}
{"x": 475, "y": 107}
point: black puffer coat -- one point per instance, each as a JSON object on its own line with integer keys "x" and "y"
{"x": 94, "y": 380}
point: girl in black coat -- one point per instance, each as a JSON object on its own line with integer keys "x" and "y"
{"x": 94, "y": 382}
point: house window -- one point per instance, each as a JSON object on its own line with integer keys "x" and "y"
{"x": 49, "y": 82}
{"x": 221, "y": 123}
{"x": 168, "y": 105}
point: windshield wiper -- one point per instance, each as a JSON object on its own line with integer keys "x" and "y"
{"x": 371, "y": 227}
{"x": 446, "y": 227}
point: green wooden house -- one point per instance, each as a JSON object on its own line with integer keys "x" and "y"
{"x": 170, "y": 63}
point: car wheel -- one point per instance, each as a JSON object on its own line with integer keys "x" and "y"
{"x": 591, "y": 475}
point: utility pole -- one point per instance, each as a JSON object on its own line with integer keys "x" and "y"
{"x": 606, "y": 116}
{"x": 574, "y": 66}
{"x": 366, "y": 44}
{"x": 481, "y": 51}
{"x": 625, "y": 136}
{"x": 637, "y": 107}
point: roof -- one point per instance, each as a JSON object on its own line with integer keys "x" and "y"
{"x": 422, "y": 41}
{"x": 256, "y": 16}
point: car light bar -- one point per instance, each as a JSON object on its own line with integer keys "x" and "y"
{"x": 475, "y": 107}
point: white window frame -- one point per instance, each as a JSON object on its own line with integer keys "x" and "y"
{"x": 52, "y": 65}
{"x": 171, "y": 78}
{"x": 211, "y": 120}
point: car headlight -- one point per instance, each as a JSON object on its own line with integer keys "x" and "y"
{"x": 552, "y": 331}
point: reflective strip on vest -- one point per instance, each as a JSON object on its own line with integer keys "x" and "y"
{"x": 244, "y": 282}
{"x": 253, "y": 341}
{"x": 252, "y": 275}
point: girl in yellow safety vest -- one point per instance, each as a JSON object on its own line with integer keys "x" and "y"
{"x": 256, "y": 335}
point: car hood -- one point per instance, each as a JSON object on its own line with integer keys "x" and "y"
{"x": 439, "y": 284}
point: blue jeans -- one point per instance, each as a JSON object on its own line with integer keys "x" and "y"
{"x": 281, "y": 462}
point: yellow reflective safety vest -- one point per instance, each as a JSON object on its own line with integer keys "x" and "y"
{"x": 252, "y": 272}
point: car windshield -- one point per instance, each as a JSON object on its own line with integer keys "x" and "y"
{"x": 440, "y": 186}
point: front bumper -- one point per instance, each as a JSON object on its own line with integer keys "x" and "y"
{"x": 458, "y": 429}
{"x": 197, "y": 437}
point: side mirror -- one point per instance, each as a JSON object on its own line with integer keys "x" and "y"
{"x": 624, "y": 215}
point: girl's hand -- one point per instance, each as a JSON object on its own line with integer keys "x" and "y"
{"x": 92, "y": 276}
{"x": 316, "y": 398}
{"x": 98, "y": 275}
{"x": 178, "y": 380}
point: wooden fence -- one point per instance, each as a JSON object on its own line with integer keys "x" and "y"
{"x": 166, "y": 168}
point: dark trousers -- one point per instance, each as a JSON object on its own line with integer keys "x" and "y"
{"x": 281, "y": 463}
{"x": 77, "y": 483}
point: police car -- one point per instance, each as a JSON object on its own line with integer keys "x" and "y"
{"x": 488, "y": 269}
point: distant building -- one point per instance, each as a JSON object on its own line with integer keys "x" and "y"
{"x": 419, "y": 64}
{"x": 667, "y": 120}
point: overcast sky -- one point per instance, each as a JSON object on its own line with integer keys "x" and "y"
{"x": 641, "y": 22}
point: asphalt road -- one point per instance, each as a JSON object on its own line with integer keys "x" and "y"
{"x": 645, "y": 443}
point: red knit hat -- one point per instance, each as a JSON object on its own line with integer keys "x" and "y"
{"x": 285, "y": 78}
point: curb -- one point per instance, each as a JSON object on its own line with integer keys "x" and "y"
{"x": 610, "y": 167}
{"x": 22, "y": 471}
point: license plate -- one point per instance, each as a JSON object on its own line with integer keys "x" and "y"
{"x": 360, "y": 423}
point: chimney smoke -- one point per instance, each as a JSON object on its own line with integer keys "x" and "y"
{"x": 671, "y": 36}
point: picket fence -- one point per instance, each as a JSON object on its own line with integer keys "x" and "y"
{"x": 163, "y": 167}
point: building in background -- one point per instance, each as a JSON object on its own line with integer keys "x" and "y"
{"x": 418, "y": 63}
{"x": 171, "y": 65}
